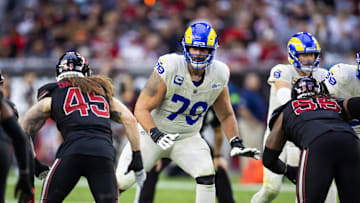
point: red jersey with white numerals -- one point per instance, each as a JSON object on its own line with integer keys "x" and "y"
{"x": 306, "y": 119}
{"x": 82, "y": 118}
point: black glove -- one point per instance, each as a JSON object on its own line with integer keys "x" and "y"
{"x": 41, "y": 170}
{"x": 23, "y": 188}
{"x": 136, "y": 162}
{"x": 291, "y": 173}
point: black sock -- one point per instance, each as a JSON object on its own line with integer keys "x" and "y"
{"x": 223, "y": 187}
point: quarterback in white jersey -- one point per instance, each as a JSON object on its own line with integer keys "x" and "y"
{"x": 343, "y": 80}
{"x": 170, "y": 111}
{"x": 304, "y": 57}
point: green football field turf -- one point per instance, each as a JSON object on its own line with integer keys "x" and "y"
{"x": 169, "y": 190}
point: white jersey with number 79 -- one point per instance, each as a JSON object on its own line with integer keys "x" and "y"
{"x": 184, "y": 106}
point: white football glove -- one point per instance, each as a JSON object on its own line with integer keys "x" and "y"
{"x": 140, "y": 177}
{"x": 238, "y": 149}
{"x": 165, "y": 141}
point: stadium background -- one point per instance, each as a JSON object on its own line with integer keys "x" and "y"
{"x": 124, "y": 38}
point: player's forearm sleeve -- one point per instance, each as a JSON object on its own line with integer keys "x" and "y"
{"x": 271, "y": 161}
{"x": 353, "y": 107}
{"x": 19, "y": 140}
{"x": 283, "y": 95}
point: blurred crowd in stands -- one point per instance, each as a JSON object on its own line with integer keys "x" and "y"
{"x": 124, "y": 34}
{"x": 252, "y": 33}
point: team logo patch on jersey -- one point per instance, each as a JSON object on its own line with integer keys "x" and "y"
{"x": 178, "y": 79}
{"x": 160, "y": 67}
{"x": 293, "y": 81}
{"x": 216, "y": 85}
{"x": 277, "y": 74}
{"x": 330, "y": 78}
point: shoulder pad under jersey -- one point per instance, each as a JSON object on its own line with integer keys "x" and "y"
{"x": 45, "y": 90}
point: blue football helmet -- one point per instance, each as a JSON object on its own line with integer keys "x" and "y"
{"x": 202, "y": 35}
{"x": 303, "y": 43}
{"x": 72, "y": 64}
{"x": 358, "y": 65}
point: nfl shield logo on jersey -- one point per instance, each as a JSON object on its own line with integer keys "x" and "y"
{"x": 178, "y": 79}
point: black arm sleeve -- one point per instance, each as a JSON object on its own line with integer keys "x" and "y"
{"x": 353, "y": 107}
{"x": 271, "y": 161}
{"x": 19, "y": 140}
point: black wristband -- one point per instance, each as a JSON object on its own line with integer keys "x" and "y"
{"x": 291, "y": 173}
{"x": 156, "y": 134}
{"x": 236, "y": 142}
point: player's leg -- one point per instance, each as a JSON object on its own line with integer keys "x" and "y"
{"x": 192, "y": 154}
{"x": 271, "y": 181}
{"x": 292, "y": 159}
{"x": 347, "y": 169}
{"x": 315, "y": 172}
{"x": 224, "y": 192}
{"x": 150, "y": 153}
{"x": 148, "y": 190}
{"x": 270, "y": 188}
{"x": 147, "y": 193}
{"x": 61, "y": 179}
{"x": 101, "y": 178}
{"x": 5, "y": 160}
{"x": 332, "y": 194}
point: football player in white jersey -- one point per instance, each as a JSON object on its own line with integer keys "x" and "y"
{"x": 304, "y": 57}
{"x": 343, "y": 80}
{"x": 170, "y": 111}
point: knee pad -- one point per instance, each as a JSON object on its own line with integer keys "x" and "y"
{"x": 205, "y": 180}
